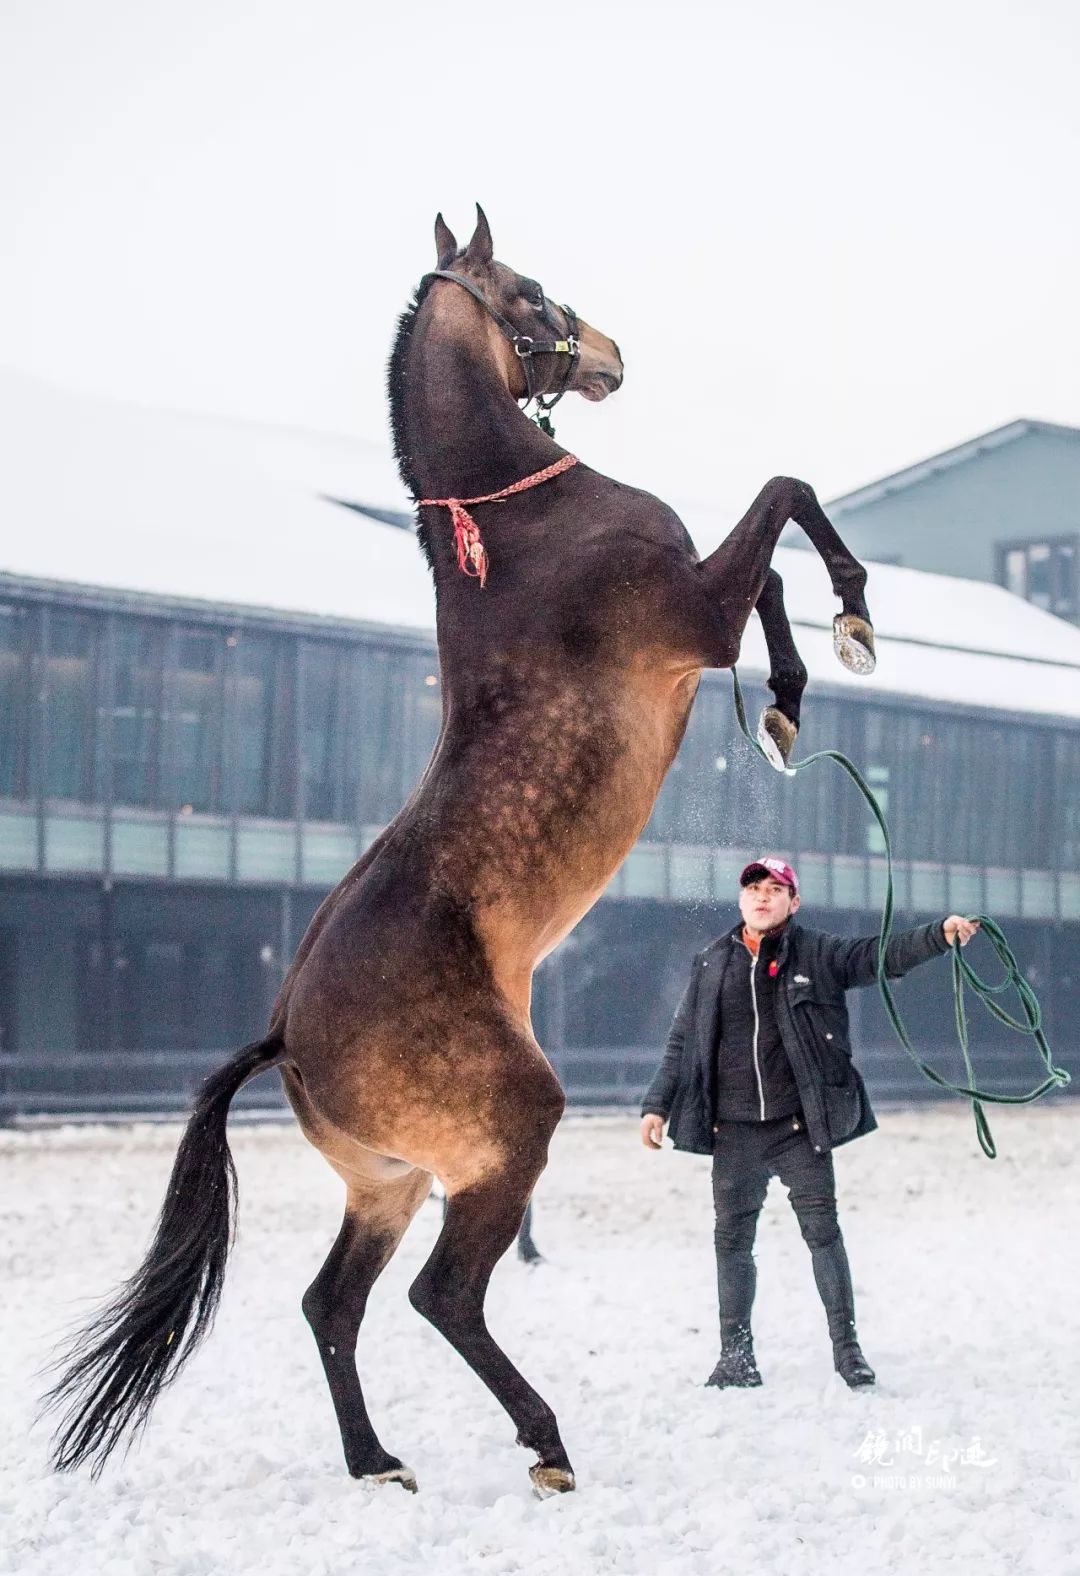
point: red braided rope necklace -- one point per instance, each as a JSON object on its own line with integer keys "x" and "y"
{"x": 471, "y": 554}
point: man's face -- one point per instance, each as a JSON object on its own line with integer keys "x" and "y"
{"x": 766, "y": 903}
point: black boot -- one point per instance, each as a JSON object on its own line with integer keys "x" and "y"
{"x": 833, "y": 1277}
{"x": 736, "y": 1282}
{"x": 737, "y": 1367}
{"x": 849, "y": 1361}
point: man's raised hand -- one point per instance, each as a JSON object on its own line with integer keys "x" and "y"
{"x": 957, "y": 925}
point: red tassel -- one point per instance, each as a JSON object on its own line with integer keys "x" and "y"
{"x": 471, "y": 554}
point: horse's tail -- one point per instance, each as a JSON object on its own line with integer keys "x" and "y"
{"x": 115, "y": 1369}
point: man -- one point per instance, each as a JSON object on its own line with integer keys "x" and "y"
{"x": 758, "y": 1073}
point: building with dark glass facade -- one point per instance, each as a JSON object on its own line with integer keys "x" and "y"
{"x": 182, "y": 779}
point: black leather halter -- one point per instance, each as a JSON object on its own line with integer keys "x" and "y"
{"x": 526, "y": 347}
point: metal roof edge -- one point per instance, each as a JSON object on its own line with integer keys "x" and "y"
{"x": 207, "y": 610}
{"x": 395, "y": 517}
{"x": 896, "y": 481}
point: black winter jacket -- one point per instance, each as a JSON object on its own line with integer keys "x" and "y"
{"x": 754, "y": 1081}
{"x": 815, "y": 970}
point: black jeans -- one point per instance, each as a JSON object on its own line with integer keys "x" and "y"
{"x": 746, "y": 1156}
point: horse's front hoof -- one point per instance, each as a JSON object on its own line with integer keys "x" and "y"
{"x": 776, "y": 734}
{"x": 403, "y": 1475}
{"x": 853, "y": 642}
{"x": 547, "y": 1481}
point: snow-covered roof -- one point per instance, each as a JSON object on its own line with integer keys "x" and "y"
{"x": 104, "y": 494}
{"x": 938, "y": 637}
{"x": 116, "y": 495}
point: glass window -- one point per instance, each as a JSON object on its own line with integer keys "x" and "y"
{"x": 14, "y": 701}
{"x": 718, "y": 789}
{"x": 162, "y": 995}
{"x": 1040, "y": 575}
{"x": 719, "y": 792}
{"x": 696, "y": 792}
{"x": 877, "y": 778}
{"x": 823, "y": 809}
{"x": 9, "y": 975}
{"x": 422, "y": 714}
{"x": 149, "y": 1003}
{"x": 281, "y": 782}
{"x": 1046, "y": 573}
{"x": 1066, "y": 603}
{"x": 329, "y": 795}
{"x": 136, "y": 712}
{"x": 1016, "y": 571}
{"x": 71, "y": 684}
{"x": 256, "y": 691}
{"x": 397, "y": 708}
{"x": 193, "y": 719}
{"x": 1065, "y": 852}
{"x": 179, "y": 975}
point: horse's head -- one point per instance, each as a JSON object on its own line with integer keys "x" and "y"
{"x": 545, "y": 350}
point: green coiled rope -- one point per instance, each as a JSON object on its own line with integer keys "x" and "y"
{"x": 963, "y": 975}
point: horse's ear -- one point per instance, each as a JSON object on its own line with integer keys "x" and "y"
{"x": 445, "y": 244}
{"x": 480, "y": 249}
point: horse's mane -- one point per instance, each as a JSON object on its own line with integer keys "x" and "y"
{"x": 395, "y": 387}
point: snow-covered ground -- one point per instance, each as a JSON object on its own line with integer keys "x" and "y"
{"x": 964, "y": 1459}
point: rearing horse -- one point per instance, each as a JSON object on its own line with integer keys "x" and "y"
{"x": 574, "y": 620}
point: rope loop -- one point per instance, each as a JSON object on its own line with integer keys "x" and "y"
{"x": 963, "y": 974}
{"x": 471, "y": 553}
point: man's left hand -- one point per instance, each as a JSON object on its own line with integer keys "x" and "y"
{"x": 957, "y": 925}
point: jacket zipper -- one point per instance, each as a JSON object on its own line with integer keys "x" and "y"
{"x": 757, "y": 1025}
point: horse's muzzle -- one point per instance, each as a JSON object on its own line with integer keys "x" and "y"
{"x": 596, "y": 386}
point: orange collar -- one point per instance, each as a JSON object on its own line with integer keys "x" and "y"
{"x": 753, "y": 943}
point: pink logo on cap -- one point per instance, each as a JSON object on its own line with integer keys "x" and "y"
{"x": 770, "y": 867}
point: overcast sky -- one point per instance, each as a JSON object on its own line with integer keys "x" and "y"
{"x": 830, "y": 238}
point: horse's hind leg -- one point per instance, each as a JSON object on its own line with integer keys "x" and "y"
{"x": 481, "y": 1222}
{"x": 779, "y": 723}
{"x": 740, "y": 564}
{"x": 527, "y": 1251}
{"x": 376, "y": 1215}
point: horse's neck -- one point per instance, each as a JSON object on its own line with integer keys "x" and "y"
{"x": 466, "y": 434}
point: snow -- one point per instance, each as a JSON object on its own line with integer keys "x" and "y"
{"x": 966, "y": 1280}
{"x": 954, "y": 676}
{"x": 105, "y": 494}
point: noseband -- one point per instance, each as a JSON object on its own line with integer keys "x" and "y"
{"x": 526, "y": 347}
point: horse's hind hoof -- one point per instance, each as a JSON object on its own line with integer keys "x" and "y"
{"x": 547, "y": 1481}
{"x": 403, "y": 1475}
{"x": 776, "y": 734}
{"x": 853, "y": 642}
